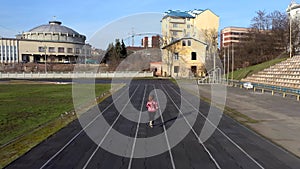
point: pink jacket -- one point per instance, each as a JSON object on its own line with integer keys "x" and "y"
{"x": 152, "y": 106}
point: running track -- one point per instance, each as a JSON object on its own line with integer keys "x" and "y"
{"x": 231, "y": 146}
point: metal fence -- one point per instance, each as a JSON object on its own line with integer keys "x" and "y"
{"x": 70, "y": 75}
{"x": 271, "y": 88}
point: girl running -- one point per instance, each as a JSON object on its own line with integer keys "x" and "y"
{"x": 152, "y": 107}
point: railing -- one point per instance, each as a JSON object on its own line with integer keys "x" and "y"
{"x": 70, "y": 75}
{"x": 214, "y": 77}
{"x": 271, "y": 88}
{"x": 276, "y": 88}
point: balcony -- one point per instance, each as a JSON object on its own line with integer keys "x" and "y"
{"x": 177, "y": 29}
{"x": 180, "y": 21}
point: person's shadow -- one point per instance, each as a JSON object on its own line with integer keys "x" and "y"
{"x": 172, "y": 119}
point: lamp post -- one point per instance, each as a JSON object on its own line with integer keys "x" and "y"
{"x": 45, "y": 50}
{"x": 232, "y": 63}
{"x": 290, "y": 35}
{"x": 228, "y": 59}
{"x": 214, "y": 50}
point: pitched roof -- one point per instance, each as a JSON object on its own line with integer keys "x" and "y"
{"x": 179, "y": 14}
{"x": 183, "y": 14}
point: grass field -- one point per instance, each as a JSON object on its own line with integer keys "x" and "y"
{"x": 242, "y": 73}
{"x": 24, "y": 107}
{"x": 30, "y": 113}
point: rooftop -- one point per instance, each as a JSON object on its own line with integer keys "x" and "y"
{"x": 183, "y": 14}
{"x": 53, "y": 26}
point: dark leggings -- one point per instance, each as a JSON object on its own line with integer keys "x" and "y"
{"x": 151, "y": 115}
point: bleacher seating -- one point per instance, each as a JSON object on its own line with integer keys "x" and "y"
{"x": 285, "y": 74}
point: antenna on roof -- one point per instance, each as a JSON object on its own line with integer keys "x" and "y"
{"x": 54, "y": 18}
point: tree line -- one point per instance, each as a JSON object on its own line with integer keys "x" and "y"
{"x": 115, "y": 53}
{"x": 267, "y": 38}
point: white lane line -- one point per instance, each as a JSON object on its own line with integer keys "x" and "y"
{"x": 235, "y": 144}
{"x": 165, "y": 132}
{"x": 68, "y": 143}
{"x": 137, "y": 129}
{"x": 107, "y": 132}
{"x": 199, "y": 140}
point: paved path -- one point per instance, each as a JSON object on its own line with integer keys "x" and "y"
{"x": 279, "y": 117}
{"x": 231, "y": 145}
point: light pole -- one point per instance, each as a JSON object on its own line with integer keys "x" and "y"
{"x": 85, "y": 53}
{"x": 232, "y": 63}
{"x": 224, "y": 62}
{"x": 45, "y": 50}
{"x": 290, "y": 35}
{"x": 228, "y": 63}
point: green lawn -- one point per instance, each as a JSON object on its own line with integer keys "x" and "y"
{"x": 242, "y": 73}
{"x": 25, "y": 107}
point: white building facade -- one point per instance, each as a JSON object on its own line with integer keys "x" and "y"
{"x": 51, "y": 42}
{"x": 9, "y": 50}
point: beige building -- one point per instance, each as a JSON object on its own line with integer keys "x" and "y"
{"x": 185, "y": 57}
{"x": 187, "y": 36}
{"x": 54, "y": 42}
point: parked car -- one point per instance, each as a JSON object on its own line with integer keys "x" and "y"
{"x": 248, "y": 85}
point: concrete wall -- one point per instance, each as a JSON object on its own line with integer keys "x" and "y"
{"x": 74, "y": 75}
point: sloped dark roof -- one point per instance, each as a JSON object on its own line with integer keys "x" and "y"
{"x": 179, "y": 14}
{"x": 53, "y": 26}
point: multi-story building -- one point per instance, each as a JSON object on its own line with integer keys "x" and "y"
{"x": 185, "y": 40}
{"x": 293, "y": 10}
{"x": 231, "y": 35}
{"x": 50, "y": 42}
{"x": 9, "y": 50}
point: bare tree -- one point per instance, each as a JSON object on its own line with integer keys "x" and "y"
{"x": 267, "y": 39}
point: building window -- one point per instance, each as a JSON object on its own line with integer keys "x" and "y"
{"x": 77, "y": 51}
{"x": 70, "y": 50}
{"x": 183, "y": 43}
{"x": 51, "y": 49}
{"x": 194, "y": 56}
{"x": 174, "y": 33}
{"x": 61, "y": 50}
{"x": 42, "y": 48}
{"x": 176, "y": 69}
{"x": 175, "y": 25}
{"x": 188, "y": 26}
{"x": 188, "y": 19}
{"x": 189, "y": 43}
{"x": 176, "y": 56}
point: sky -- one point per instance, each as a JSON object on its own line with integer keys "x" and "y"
{"x": 99, "y": 19}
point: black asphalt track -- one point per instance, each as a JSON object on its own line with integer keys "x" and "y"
{"x": 231, "y": 146}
